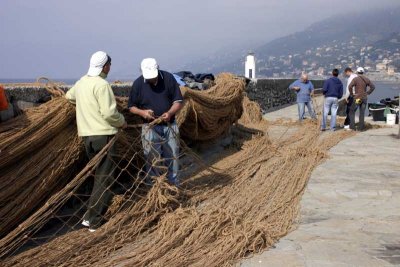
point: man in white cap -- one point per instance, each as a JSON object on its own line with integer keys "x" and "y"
{"x": 156, "y": 94}
{"x": 360, "y": 98}
{"x": 98, "y": 121}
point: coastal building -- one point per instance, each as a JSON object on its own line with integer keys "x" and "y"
{"x": 381, "y": 66}
{"x": 321, "y": 71}
{"x": 391, "y": 70}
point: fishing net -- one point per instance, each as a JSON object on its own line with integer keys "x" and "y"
{"x": 252, "y": 113}
{"x": 230, "y": 205}
{"x": 209, "y": 114}
{"x": 39, "y": 153}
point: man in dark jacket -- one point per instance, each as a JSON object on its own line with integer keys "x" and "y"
{"x": 332, "y": 90}
{"x": 360, "y": 98}
{"x": 156, "y": 94}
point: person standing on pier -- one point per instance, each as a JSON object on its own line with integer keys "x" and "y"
{"x": 360, "y": 98}
{"x": 333, "y": 91}
{"x": 304, "y": 90}
{"x": 348, "y": 72}
{"x": 98, "y": 121}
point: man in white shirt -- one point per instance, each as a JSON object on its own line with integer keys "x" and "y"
{"x": 348, "y": 72}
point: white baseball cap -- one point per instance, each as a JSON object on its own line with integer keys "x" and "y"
{"x": 360, "y": 70}
{"x": 149, "y": 68}
{"x": 97, "y": 62}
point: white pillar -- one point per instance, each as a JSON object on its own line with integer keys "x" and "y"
{"x": 250, "y": 66}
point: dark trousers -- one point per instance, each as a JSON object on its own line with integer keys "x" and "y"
{"x": 348, "y": 107}
{"x": 353, "y": 109}
{"x": 103, "y": 179}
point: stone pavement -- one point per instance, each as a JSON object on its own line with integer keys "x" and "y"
{"x": 350, "y": 212}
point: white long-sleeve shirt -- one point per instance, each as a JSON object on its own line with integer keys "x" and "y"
{"x": 352, "y": 76}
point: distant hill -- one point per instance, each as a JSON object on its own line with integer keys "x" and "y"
{"x": 318, "y": 45}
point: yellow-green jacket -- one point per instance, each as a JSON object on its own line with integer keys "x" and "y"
{"x": 96, "y": 109}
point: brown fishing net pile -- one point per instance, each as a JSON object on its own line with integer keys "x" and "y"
{"x": 251, "y": 112}
{"x": 241, "y": 204}
{"x": 39, "y": 154}
{"x": 209, "y": 114}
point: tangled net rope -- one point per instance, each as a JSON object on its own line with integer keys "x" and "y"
{"x": 240, "y": 204}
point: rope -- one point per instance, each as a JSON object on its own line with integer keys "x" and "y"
{"x": 238, "y": 203}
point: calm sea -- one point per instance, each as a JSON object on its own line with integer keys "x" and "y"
{"x": 384, "y": 90}
{"x": 66, "y": 81}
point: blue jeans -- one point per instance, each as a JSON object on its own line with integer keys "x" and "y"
{"x": 330, "y": 103}
{"x": 301, "y": 107}
{"x": 161, "y": 149}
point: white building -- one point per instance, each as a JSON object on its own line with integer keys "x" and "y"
{"x": 381, "y": 66}
{"x": 391, "y": 70}
{"x": 250, "y": 66}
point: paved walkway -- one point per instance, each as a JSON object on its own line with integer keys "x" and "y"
{"x": 350, "y": 213}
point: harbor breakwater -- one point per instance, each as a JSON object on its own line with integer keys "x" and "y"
{"x": 271, "y": 94}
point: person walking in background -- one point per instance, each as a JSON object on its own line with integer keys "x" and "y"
{"x": 304, "y": 90}
{"x": 360, "y": 98}
{"x": 98, "y": 121}
{"x": 333, "y": 91}
{"x": 348, "y": 72}
{"x": 156, "y": 94}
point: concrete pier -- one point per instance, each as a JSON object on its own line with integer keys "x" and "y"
{"x": 350, "y": 212}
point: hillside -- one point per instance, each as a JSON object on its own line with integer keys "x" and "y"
{"x": 350, "y": 39}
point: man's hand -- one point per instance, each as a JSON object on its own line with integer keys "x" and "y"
{"x": 166, "y": 116}
{"x": 148, "y": 114}
{"x": 296, "y": 88}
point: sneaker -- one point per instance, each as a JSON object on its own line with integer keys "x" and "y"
{"x": 347, "y": 127}
{"x": 85, "y": 223}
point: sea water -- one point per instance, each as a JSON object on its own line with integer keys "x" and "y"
{"x": 384, "y": 90}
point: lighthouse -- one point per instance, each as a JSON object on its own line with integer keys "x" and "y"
{"x": 250, "y": 66}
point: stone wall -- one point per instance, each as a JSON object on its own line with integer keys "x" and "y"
{"x": 22, "y": 97}
{"x": 269, "y": 93}
{"x": 272, "y": 94}
{"x": 38, "y": 94}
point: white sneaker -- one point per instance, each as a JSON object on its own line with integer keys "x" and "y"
{"x": 85, "y": 223}
{"x": 346, "y": 127}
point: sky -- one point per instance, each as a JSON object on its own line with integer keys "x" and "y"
{"x": 56, "y": 38}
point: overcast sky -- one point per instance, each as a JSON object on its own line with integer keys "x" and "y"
{"x": 56, "y": 38}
